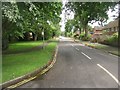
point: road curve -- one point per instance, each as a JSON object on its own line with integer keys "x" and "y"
{"x": 79, "y": 66}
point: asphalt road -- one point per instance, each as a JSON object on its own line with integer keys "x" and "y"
{"x": 79, "y": 66}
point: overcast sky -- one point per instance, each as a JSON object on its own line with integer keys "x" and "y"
{"x": 71, "y": 16}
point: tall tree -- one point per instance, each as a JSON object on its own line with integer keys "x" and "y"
{"x": 22, "y": 17}
{"x": 90, "y": 11}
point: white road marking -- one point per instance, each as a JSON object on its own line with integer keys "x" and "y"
{"x": 86, "y": 55}
{"x": 71, "y": 68}
{"x": 109, "y": 74}
{"x": 77, "y": 49}
{"x": 72, "y": 45}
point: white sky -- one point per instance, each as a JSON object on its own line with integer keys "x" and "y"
{"x": 71, "y": 16}
{"x": 110, "y": 14}
{"x": 63, "y": 20}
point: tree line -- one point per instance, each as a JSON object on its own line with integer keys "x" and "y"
{"x": 20, "y": 18}
{"x": 87, "y": 12}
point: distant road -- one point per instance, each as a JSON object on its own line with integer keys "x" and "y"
{"x": 79, "y": 66}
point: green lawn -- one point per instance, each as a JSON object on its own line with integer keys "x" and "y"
{"x": 15, "y": 65}
{"x": 21, "y": 46}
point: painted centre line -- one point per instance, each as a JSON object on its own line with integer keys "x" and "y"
{"x": 77, "y": 49}
{"x": 86, "y": 55}
{"x": 116, "y": 80}
{"x": 72, "y": 45}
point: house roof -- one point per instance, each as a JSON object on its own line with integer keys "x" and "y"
{"x": 112, "y": 24}
{"x": 97, "y": 28}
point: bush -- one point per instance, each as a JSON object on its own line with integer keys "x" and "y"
{"x": 69, "y": 34}
{"x": 76, "y": 36}
{"x": 111, "y": 40}
{"x": 83, "y": 38}
{"x": 95, "y": 40}
{"x": 82, "y": 35}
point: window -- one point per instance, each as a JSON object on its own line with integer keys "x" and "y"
{"x": 110, "y": 29}
{"x": 114, "y": 29}
{"x": 117, "y": 29}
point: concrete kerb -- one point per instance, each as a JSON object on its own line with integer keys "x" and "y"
{"x": 31, "y": 76}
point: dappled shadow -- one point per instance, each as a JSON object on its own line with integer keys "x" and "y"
{"x": 36, "y": 48}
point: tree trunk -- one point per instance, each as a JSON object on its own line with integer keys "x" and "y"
{"x": 4, "y": 43}
{"x": 86, "y": 31}
{"x": 35, "y": 36}
{"x": 80, "y": 30}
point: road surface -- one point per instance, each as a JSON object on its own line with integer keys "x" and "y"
{"x": 79, "y": 66}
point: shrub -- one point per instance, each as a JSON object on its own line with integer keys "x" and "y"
{"x": 111, "y": 40}
{"x": 82, "y": 37}
{"x": 76, "y": 36}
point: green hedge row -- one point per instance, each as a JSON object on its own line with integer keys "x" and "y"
{"x": 111, "y": 40}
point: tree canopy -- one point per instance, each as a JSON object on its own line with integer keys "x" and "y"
{"x": 89, "y": 12}
{"x": 21, "y": 17}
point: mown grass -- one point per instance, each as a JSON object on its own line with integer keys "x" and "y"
{"x": 15, "y": 65}
{"x": 21, "y": 46}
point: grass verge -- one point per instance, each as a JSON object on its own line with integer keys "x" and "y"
{"x": 21, "y": 46}
{"x": 110, "y": 49}
{"x": 15, "y": 65}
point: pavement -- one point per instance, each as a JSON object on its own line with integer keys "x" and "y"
{"x": 79, "y": 66}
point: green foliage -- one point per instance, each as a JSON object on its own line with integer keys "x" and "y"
{"x": 69, "y": 26}
{"x": 16, "y": 65}
{"x": 69, "y": 34}
{"x": 82, "y": 35}
{"x": 19, "y": 18}
{"x": 85, "y": 38}
{"x": 21, "y": 46}
{"x": 86, "y": 12}
{"x": 28, "y": 16}
{"x": 111, "y": 40}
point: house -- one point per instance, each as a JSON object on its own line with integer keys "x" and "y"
{"x": 111, "y": 27}
{"x": 97, "y": 32}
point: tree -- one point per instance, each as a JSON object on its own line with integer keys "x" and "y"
{"x": 90, "y": 11}
{"x": 23, "y": 17}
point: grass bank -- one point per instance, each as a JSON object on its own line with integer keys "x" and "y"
{"x": 107, "y": 48}
{"x": 21, "y": 46}
{"x": 15, "y": 65}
